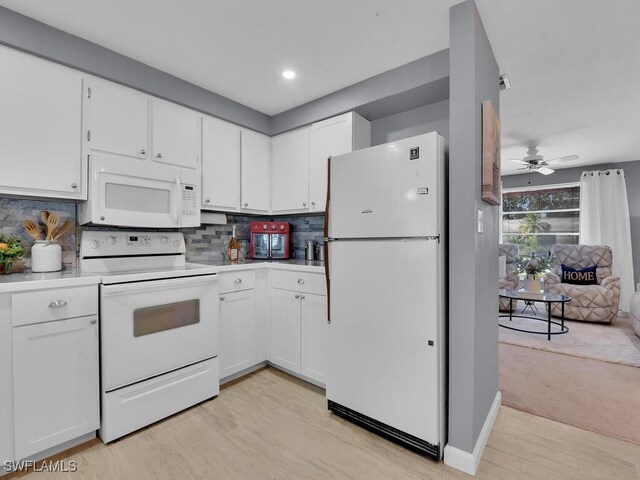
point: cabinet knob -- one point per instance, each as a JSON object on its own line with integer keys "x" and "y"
{"x": 313, "y": 203}
{"x": 74, "y": 185}
{"x": 158, "y": 155}
{"x": 208, "y": 200}
{"x": 304, "y": 204}
{"x": 237, "y": 281}
{"x": 246, "y": 204}
{"x": 57, "y": 304}
{"x": 93, "y": 322}
{"x": 297, "y": 296}
{"x": 300, "y": 281}
{"x": 222, "y": 299}
{"x": 143, "y": 152}
{"x": 302, "y": 297}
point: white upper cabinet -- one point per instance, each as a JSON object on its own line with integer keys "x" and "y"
{"x": 40, "y": 128}
{"x": 220, "y": 165}
{"x": 331, "y": 137}
{"x": 255, "y": 167}
{"x": 175, "y": 134}
{"x": 118, "y": 120}
{"x": 290, "y": 171}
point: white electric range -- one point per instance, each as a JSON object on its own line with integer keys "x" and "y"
{"x": 158, "y": 327}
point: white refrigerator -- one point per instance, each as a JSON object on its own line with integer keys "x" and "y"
{"x": 386, "y": 275}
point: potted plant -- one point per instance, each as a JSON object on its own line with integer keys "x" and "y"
{"x": 10, "y": 250}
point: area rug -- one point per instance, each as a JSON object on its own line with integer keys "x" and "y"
{"x": 614, "y": 343}
{"x": 598, "y": 396}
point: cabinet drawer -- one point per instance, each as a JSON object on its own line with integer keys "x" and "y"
{"x": 53, "y": 304}
{"x": 236, "y": 281}
{"x": 300, "y": 281}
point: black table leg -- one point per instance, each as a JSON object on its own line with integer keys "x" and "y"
{"x": 562, "y": 317}
{"x": 549, "y": 324}
{"x": 510, "y": 309}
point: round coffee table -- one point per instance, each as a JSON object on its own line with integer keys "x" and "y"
{"x": 529, "y": 298}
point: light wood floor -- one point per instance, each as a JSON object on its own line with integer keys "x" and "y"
{"x": 272, "y": 426}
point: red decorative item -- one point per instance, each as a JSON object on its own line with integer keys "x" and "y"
{"x": 270, "y": 240}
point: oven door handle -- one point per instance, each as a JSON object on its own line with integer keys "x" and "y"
{"x": 154, "y": 285}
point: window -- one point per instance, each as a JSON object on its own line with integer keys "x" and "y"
{"x": 536, "y": 219}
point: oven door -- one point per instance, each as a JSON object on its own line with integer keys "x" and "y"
{"x": 133, "y": 193}
{"x": 260, "y": 245}
{"x": 279, "y": 247}
{"x": 154, "y": 327}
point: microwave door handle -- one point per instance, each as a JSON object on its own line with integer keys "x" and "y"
{"x": 269, "y": 249}
{"x": 177, "y": 203}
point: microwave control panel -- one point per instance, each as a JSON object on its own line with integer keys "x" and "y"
{"x": 189, "y": 201}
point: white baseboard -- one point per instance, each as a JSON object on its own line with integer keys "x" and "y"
{"x": 468, "y": 462}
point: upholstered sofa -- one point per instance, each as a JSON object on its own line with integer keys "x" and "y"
{"x": 510, "y": 280}
{"x": 589, "y": 303}
{"x": 634, "y": 310}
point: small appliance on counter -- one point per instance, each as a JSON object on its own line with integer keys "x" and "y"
{"x": 310, "y": 250}
{"x": 270, "y": 240}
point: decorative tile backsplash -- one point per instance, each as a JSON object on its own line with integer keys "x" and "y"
{"x": 205, "y": 243}
{"x": 14, "y": 211}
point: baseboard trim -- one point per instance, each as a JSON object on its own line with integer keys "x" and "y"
{"x": 468, "y": 462}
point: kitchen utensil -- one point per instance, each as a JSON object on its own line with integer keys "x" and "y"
{"x": 52, "y": 223}
{"x": 32, "y": 229}
{"x": 310, "y": 250}
{"x": 66, "y": 227}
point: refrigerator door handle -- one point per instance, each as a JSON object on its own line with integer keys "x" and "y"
{"x": 326, "y": 240}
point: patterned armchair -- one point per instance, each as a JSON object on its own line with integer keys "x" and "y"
{"x": 589, "y": 303}
{"x": 511, "y": 280}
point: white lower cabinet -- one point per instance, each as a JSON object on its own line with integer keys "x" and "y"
{"x": 55, "y": 383}
{"x": 299, "y": 330}
{"x": 285, "y": 329}
{"x": 237, "y": 331}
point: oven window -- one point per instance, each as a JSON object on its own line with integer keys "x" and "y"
{"x": 165, "y": 317}
{"x": 137, "y": 199}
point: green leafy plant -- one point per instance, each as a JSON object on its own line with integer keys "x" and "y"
{"x": 10, "y": 250}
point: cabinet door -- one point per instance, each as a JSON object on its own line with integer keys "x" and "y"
{"x": 255, "y": 155}
{"x": 290, "y": 171}
{"x": 55, "y": 380}
{"x": 237, "y": 331}
{"x": 220, "y": 165}
{"x": 285, "y": 329}
{"x": 118, "y": 120}
{"x": 328, "y": 138}
{"x": 315, "y": 337}
{"x": 40, "y": 128}
{"x": 176, "y": 135}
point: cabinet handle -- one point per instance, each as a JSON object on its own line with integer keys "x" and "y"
{"x": 74, "y": 185}
{"x": 57, "y": 304}
{"x": 93, "y": 322}
{"x": 297, "y": 296}
{"x": 143, "y": 152}
{"x": 237, "y": 281}
{"x": 158, "y": 155}
{"x": 222, "y": 299}
{"x": 300, "y": 281}
{"x": 246, "y": 204}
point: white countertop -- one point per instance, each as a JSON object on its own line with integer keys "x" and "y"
{"x": 28, "y": 280}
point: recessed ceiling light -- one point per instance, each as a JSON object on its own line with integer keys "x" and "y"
{"x": 289, "y": 74}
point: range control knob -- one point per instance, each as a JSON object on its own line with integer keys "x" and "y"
{"x": 94, "y": 244}
{"x": 111, "y": 240}
{"x": 264, "y": 227}
{"x": 176, "y": 243}
{"x": 164, "y": 239}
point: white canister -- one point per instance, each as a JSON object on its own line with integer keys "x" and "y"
{"x": 46, "y": 256}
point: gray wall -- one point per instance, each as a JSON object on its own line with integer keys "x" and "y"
{"x": 568, "y": 175}
{"x": 473, "y": 269}
{"x": 413, "y": 122}
{"x": 29, "y": 35}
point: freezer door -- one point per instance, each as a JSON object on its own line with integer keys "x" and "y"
{"x": 392, "y": 190}
{"x": 384, "y": 313}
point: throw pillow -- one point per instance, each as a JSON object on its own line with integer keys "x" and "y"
{"x": 584, "y": 276}
{"x": 502, "y": 266}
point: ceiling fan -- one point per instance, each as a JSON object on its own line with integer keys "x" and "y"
{"x": 535, "y": 162}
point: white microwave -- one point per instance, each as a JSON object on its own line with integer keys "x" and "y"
{"x": 133, "y": 193}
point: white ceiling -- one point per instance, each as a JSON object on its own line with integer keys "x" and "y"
{"x": 239, "y": 48}
{"x": 574, "y": 65}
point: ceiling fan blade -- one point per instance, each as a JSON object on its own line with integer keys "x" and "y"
{"x": 517, "y": 160}
{"x": 564, "y": 159}
{"x": 545, "y": 170}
